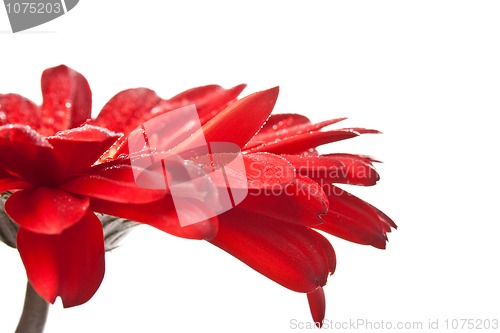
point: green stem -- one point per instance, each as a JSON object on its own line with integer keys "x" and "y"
{"x": 34, "y": 314}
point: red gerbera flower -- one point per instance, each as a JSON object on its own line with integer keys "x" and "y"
{"x": 56, "y": 183}
{"x": 60, "y": 174}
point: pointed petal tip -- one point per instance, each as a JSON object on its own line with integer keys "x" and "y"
{"x": 239, "y": 88}
{"x": 271, "y": 93}
{"x": 367, "y": 131}
{"x": 317, "y": 305}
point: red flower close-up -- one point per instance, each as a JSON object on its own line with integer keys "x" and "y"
{"x": 62, "y": 174}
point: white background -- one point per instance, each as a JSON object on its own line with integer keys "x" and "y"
{"x": 426, "y": 73}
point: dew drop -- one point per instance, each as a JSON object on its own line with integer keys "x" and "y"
{"x": 68, "y": 105}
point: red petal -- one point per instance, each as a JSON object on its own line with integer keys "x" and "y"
{"x": 303, "y": 142}
{"x": 69, "y": 265}
{"x": 11, "y": 183}
{"x": 127, "y": 110}
{"x": 302, "y": 202}
{"x": 209, "y": 100}
{"x": 290, "y": 254}
{"x": 282, "y": 132}
{"x": 115, "y": 184}
{"x": 45, "y": 210}
{"x": 26, "y": 153}
{"x": 67, "y": 99}
{"x": 15, "y": 109}
{"x": 161, "y": 214}
{"x": 277, "y": 122}
{"x": 317, "y": 305}
{"x": 353, "y": 219}
{"x": 85, "y": 133}
{"x": 387, "y": 222}
{"x": 237, "y": 123}
{"x": 121, "y": 170}
{"x": 78, "y": 148}
{"x": 22, "y": 134}
{"x": 312, "y": 165}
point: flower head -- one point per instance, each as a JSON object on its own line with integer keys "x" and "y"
{"x": 61, "y": 167}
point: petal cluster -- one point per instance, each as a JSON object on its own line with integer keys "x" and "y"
{"x": 61, "y": 167}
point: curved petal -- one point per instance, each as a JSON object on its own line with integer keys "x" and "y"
{"x": 67, "y": 99}
{"x": 303, "y": 142}
{"x": 292, "y": 255}
{"x": 45, "y": 210}
{"x": 15, "y": 109}
{"x": 317, "y": 305}
{"x": 282, "y": 132}
{"x": 16, "y": 133}
{"x": 111, "y": 190}
{"x": 26, "y": 154}
{"x": 209, "y": 100}
{"x": 353, "y": 219}
{"x": 237, "y": 123}
{"x": 69, "y": 265}
{"x": 127, "y": 109}
{"x": 13, "y": 183}
{"x": 78, "y": 148}
{"x": 313, "y": 165}
{"x": 387, "y": 222}
{"x": 161, "y": 214}
{"x": 277, "y": 122}
{"x": 301, "y": 202}
{"x": 41, "y": 160}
